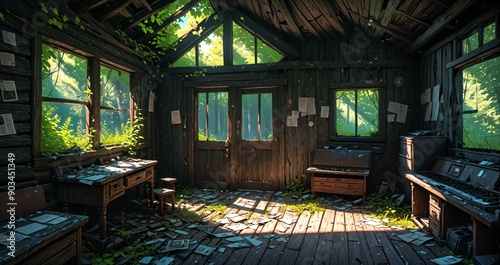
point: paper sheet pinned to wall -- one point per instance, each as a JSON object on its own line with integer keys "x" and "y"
{"x": 425, "y": 97}
{"x": 291, "y": 121}
{"x": 9, "y": 37}
{"x": 307, "y": 106}
{"x": 9, "y": 91}
{"x": 399, "y": 109}
{"x": 325, "y": 112}
{"x": 176, "y": 116}
{"x": 7, "y": 124}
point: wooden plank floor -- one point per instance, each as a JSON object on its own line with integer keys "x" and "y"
{"x": 327, "y": 237}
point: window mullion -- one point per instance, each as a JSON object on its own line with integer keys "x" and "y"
{"x": 93, "y": 109}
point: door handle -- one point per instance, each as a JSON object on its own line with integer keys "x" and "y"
{"x": 226, "y": 147}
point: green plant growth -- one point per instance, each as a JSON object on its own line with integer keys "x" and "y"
{"x": 389, "y": 211}
{"x": 130, "y": 253}
{"x": 218, "y": 209}
{"x": 296, "y": 187}
{"x": 310, "y": 205}
{"x": 189, "y": 216}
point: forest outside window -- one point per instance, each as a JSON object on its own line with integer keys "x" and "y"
{"x": 65, "y": 99}
{"x": 212, "y": 116}
{"x": 257, "y": 123}
{"x": 66, "y": 105}
{"x": 357, "y": 112}
{"x": 481, "y": 105}
{"x": 115, "y": 106}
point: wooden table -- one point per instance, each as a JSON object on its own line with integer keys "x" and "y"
{"x": 55, "y": 238}
{"x": 99, "y": 185}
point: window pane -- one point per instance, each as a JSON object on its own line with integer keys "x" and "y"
{"x": 63, "y": 127}
{"x": 257, "y": 123}
{"x": 266, "y": 117}
{"x": 115, "y": 126}
{"x": 187, "y": 60}
{"x": 489, "y": 33}
{"x": 64, "y": 75}
{"x": 115, "y": 88}
{"x": 346, "y": 113}
{"x": 212, "y": 116}
{"x": 368, "y": 112}
{"x": 250, "y": 117}
{"x": 357, "y": 112}
{"x": 243, "y": 46}
{"x": 481, "y": 92}
{"x": 266, "y": 54}
{"x": 470, "y": 43}
{"x": 211, "y": 50}
{"x": 115, "y": 93}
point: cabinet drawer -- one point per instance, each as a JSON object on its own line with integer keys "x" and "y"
{"x": 435, "y": 227}
{"x": 340, "y": 190}
{"x": 116, "y": 189}
{"x": 337, "y": 181}
{"x": 435, "y": 202}
{"x": 135, "y": 179}
{"x": 434, "y": 214}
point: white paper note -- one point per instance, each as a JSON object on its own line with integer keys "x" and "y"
{"x": 9, "y": 37}
{"x": 7, "y": 59}
{"x": 325, "y": 111}
{"x": 435, "y": 110}
{"x": 393, "y": 107}
{"x": 176, "y": 116}
{"x": 403, "y": 110}
{"x": 435, "y": 92}
{"x": 311, "y": 106}
{"x": 291, "y": 121}
{"x": 9, "y": 91}
{"x": 7, "y": 124}
{"x": 302, "y": 104}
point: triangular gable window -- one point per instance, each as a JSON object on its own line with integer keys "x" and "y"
{"x": 247, "y": 49}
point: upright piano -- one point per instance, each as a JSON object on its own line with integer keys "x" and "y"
{"x": 340, "y": 171}
{"x": 462, "y": 189}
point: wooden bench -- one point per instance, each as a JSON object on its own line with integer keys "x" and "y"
{"x": 37, "y": 236}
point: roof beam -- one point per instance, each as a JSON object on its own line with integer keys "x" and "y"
{"x": 143, "y": 14}
{"x": 85, "y": 6}
{"x": 181, "y": 12}
{"x": 389, "y": 12}
{"x": 146, "y": 4}
{"x": 115, "y": 9}
{"x": 282, "y": 14}
{"x": 192, "y": 38}
{"x": 382, "y": 28}
{"x": 439, "y": 23}
{"x": 269, "y": 38}
{"x": 331, "y": 16}
{"x": 412, "y": 18}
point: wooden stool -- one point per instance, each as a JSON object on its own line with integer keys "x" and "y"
{"x": 163, "y": 194}
{"x": 170, "y": 181}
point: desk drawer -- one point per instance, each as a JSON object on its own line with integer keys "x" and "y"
{"x": 150, "y": 173}
{"x": 135, "y": 179}
{"x": 116, "y": 189}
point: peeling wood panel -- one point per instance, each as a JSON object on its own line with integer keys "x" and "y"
{"x": 286, "y": 19}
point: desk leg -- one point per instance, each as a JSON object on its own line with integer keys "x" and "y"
{"x": 102, "y": 221}
{"x": 79, "y": 245}
{"x": 152, "y": 194}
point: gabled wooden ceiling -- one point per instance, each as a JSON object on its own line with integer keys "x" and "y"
{"x": 409, "y": 24}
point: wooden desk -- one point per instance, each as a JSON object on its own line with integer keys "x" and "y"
{"x": 99, "y": 185}
{"x": 59, "y": 240}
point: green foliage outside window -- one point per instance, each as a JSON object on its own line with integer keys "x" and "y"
{"x": 115, "y": 106}
{"x": 481, "y": 105}
{"x": 212, "y": 116}
{"x": 357, "y": 112}
{"x": 168, "y": 38}
{"x": 64, "y": 77}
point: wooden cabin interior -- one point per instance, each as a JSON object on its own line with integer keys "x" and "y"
{"x": 114, "y": 110}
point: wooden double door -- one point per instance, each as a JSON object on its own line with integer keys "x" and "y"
{"x": 237, "y": 139}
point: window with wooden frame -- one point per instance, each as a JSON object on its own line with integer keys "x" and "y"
{"x": 356, "y": 112}
{"x": 66, "y": 103}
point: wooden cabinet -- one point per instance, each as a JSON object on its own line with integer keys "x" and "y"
{"x": 338, "y": 184}
{"x": 418, "y": 153}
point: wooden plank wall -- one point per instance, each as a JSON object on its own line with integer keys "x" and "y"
{"x": 306, "y": 81}
{"x": 31, "y": 170}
